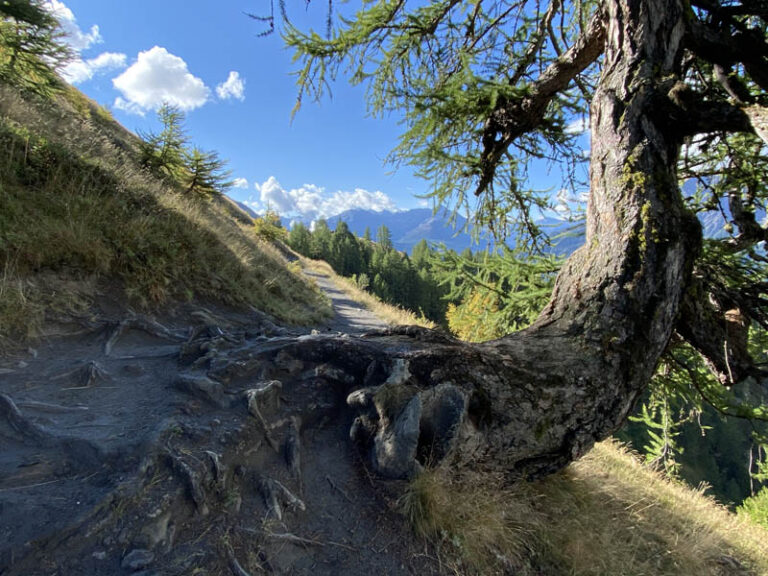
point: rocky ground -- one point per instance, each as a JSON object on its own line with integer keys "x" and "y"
{"x": 193, "y": 443}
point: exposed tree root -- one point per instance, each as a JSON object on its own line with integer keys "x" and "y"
{"x": 192, "y": 480}
{"x": 151, "y": 327}
{"x": 25, "y": 429}
{"x": 86, "y": 376}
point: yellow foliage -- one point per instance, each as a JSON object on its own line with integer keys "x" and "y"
{"x": 269, "y": 228}
{"x": 476, "y": 318}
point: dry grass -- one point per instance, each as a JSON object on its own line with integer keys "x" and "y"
{"x": 478, "y": 524}
{"x": 74, "y": 204}
{"x": 393, "y": 315}
{"x": 20, "y": 316}
{"x": 607, "y": 514}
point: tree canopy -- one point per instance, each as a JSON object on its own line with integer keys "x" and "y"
{"x": 485, "y": 87}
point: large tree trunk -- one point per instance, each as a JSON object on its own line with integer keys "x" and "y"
{"x": 531, "y": 402}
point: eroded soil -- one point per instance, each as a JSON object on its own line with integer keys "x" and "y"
{"x": 190, "y": 444}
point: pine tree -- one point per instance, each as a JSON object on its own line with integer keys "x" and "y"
{"x": 346, "y": 257}
{"x": 269, "y": 227}
{"x": 300, "y": 239}
{"x": 321, "y": 240}
{"x": 383, "y": 238}
{"x": 32, "y": 46}
{"x": 206, "y": 173}
{"x": 164, "y": 153}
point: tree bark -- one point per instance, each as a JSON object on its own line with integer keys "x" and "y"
{"x": 531, "y": 402}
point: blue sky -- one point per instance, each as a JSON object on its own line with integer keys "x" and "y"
{"x": 238, "y": 93}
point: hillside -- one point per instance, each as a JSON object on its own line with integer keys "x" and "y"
{"x": 160, "y": 410}
{"x": 81, "y": 224}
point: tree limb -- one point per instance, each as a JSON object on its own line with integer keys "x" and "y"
{"x": 512, "y": 118}
{"x": 691, "y": 114}
{"x": 719, "y": 335}
{"x": 726, "y": 49}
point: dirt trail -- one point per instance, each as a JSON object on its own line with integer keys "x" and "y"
{"x": 193, "y": 443}
{"x": 351, "y": 317}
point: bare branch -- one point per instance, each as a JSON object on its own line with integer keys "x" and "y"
{"x": 513, "y": 118}
{"x": 719, "y": 335}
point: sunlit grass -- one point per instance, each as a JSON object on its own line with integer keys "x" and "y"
{"x": 606, "y": 514}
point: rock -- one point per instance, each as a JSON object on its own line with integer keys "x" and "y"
{"x": 191, "y": 351}
{"x": 399, "y": 373}
{"x": 192, "y": 480}
{"x": 394, "y": 448}
{"x": 332, "y": 373}
{"x": 376, "y": 373}
{"x": 203, "y": 388}
{"x": 362, "y": 430}
{"x": 137, "y": 559}
{"x": 156, "y": 532}
{"x": 288, "y": 362}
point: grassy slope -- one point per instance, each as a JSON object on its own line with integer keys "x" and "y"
{"x": 606, "y": 514}
{"x": 77, "y": 214}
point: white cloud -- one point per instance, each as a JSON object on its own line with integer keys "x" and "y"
{"x": 577, "y": 126}
{"x": 156, "y": 77}
{"x": 273, "y": 196}
{"x": 130, "y": 107}
{"x": 76, "y": 38}
{"x": 240, "y": 183}
{"x": 80, "y": 70}
{"x": 108, "y": 60}
{"x": 360, "y": 198}
{"x": 568, "y": 204}
{"x": 311, "y": 202}
{"x": 233, "y": 87}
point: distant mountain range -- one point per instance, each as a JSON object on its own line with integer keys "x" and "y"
{"x": 245, "y": 208}
{"x": 408, "y": 227}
